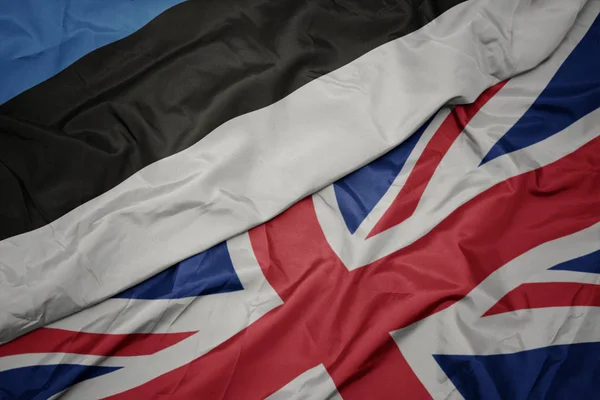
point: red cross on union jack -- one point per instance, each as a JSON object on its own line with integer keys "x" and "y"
{"x": 343, "y": 318}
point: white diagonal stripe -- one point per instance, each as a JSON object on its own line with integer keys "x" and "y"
{"x": 461, "y": 329}
{"x": 459, "y": 178}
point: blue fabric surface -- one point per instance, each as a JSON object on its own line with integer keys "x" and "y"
{"x": 43, "y": 381}
{"x": 573, "y": 92}
{"x": 39, "y": 38}
{"x": 557, "y": 372}
{"x": 206, "y": 273}
{"x": 589, "y": 263}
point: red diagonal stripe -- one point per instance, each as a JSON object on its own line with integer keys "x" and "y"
{"x": 343, "y": 319}
{"x": 50, "y": 340}
{"x": 408, "y": 198}
{"x": 548, "y": 294}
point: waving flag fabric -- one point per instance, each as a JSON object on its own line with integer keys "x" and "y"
{"x": 160, "y": 90}
{"x": 41, "y": 38}
{"x": 251, "y": 167}
{"x": 460, "y": 260}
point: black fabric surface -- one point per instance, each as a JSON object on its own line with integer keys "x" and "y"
{"x": 165, "y": 87}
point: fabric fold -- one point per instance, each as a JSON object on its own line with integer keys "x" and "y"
{"x": 253, "y": 167}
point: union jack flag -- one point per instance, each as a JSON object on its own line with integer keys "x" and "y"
{"x": 465, "y": 263}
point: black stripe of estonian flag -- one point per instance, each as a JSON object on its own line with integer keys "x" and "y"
{"x": 160, "y": 90}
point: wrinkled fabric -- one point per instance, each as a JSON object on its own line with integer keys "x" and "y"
{"x": 161, "y": 90}
{"x": 253, "y": 167}
{"x": 495, "y": 296}
{"x": 469, "y": 270}
{"x": 40, "y": 38}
